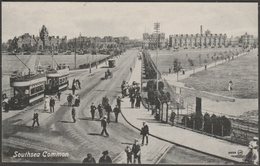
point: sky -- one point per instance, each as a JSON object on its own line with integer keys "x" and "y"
{"x": 126, "y": 19}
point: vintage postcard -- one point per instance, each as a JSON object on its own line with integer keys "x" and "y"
{"x": 130, "y": 83}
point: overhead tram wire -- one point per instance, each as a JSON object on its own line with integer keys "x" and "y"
{"x": 24, "y": 65}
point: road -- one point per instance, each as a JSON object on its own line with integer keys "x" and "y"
{"x": 58, "y": 134}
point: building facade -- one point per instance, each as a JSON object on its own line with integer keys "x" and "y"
{"x": 205, "y": 40}
{"x": 43, "y": 42}
{"x": 150, "y": 41}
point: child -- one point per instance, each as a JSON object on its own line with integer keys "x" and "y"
{"x": 128, "y": 151}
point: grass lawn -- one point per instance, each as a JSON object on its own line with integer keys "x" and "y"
{"x": 242, "y": 71}
{"x": 200, "y": 57}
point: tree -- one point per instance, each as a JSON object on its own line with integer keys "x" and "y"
{"x": 200, "y": 59}
{"x": 177, "y": 67}
{"x": 191, "y": 64}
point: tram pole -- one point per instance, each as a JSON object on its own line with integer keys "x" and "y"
{"x": 75, "y": 58}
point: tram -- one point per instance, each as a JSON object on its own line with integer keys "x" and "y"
{"x": 28, "y": 89}
{"x": 57, "y": 80}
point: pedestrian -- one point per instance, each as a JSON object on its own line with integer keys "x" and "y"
{"x": 52, "y": 104}
{"x": 108, "y": 110}
{"x": 172, "y": 117}
{"x": 252, "y": 156}
{"x": 118, "y": 102}
{"x": 104, "y": 126}
{"x": 116, "y": 111}
{"x": 35, "y": 119}
{"x": 138, "y": 101}
{"x": 105, "y": 159}
{"x": 73, "y": 88}
{"x": 78, "y": 83}
{"x": 131, "y": 69}
{"x": 92, "y": 111}
{"x": 105, "y": 101}
{"x": 46, "y": 103}
{"x": 132, "y": 100}
{"x": 145, "y": 132}
{"x": 128, "y": 152}
{"x": 73, "y": 114}
{"x": 77, "y": 100}
{"x": 69, "y": 99}
{"x": 122, "y": 88}
{"x": 58, "y": 94}
{"x": 230, "y": 86}
{"x": 100, "y": 110}
{"x": 6, "y": 104}
{"x": 136, "y": 150}
{"x": 89, "y": 159}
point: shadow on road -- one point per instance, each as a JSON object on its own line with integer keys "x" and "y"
{"x": 149, "y": 120}
{"x": 64, "y": 121}
{"x": 98, "y": 134}
{"x": 127, "y": 143}
{"x": 87, "y": 118}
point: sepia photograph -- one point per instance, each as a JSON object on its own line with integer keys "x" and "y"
{"x": 130, "y": 83}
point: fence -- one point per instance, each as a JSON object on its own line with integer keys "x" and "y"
{"x": 242, "y": 130}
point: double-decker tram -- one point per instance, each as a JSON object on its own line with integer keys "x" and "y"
{"x": 57, "y": 80}
{"x": 27, "y": 90}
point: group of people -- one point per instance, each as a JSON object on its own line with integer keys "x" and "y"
{"x": 104, "y": 159}
{"x": 133, "y": 91}
{"x": 73, "y": 99}
{"x": 49, "y": 104}
{"x": 133, "y": 155}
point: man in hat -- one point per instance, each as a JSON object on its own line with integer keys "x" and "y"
{"x": 118, "y": 102}
{"x": 145, "y": 132}
{"x": 58, "y": 94}
{"x": 35, "y": 119}
{"x": 116, "y": 111}
{"x": 136, "y": 150}
{"x": 108, "y": 110}
{"x": 89, "y": 159}
{"x": 252, "y": 156}
{"x": 105, "y": 159}
{"x": 92, "y": 111}
{"x": 100, "y": 111}
{"x": 104, "y": 126}
{"x": 172, "y": 117}
{"x": 69, "y": 99}
{"x": 73, "y": 114}
{"x": 52, "y": 104}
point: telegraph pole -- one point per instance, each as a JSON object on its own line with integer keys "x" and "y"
{"x": 75, "y": 58}
{"x": 157, "y": 30}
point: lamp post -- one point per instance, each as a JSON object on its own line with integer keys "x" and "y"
{"x": 157, "y": 30}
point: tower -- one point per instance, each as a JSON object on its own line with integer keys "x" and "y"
{"x": 201, "y": 30}
{"x": 44, "y": 34}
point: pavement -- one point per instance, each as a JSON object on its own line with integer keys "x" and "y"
{"x": 171, "y": 134}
